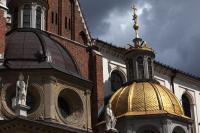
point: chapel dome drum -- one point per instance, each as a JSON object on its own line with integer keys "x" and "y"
{"x": 145, "y": 98}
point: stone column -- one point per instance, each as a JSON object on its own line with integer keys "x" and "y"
{"x": 88, "y": 109}
{"x": 49, "y": 98}
{"x": 166, "y": 125}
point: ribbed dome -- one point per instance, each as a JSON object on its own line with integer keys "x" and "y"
{"x": 145, "y": 98}
{"x": 35, "y": 49}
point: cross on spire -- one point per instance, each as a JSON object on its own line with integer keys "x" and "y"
{"x": 135, "y": 19}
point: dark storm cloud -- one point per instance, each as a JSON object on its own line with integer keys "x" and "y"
{"x": 96, "y": 10}
{"x": 171, "y": 27}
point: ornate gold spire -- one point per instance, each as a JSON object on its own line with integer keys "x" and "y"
{"x": 138, "y": 42}
{"x": 135, "y": 18}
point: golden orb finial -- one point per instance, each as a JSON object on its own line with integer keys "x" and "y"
{"x": 135, "y": 19}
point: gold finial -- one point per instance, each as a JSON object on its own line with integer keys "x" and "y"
{"x": 135, "y": 18}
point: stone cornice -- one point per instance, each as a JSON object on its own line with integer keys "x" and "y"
{"x": 22, "y": 124}
{"x": 115, "y": 51}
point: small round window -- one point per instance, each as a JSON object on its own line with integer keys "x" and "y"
{"x": 70, "y": 106}
{"x": 63, "y": 107}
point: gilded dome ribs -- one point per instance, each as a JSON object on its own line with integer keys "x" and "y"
{"x": 145, "y": 98}
{"x": 158, "y": 96}
{"x": 118, "y": 99}
{"x": 130, "y": 97}
{"x": 170, "y": 99}
{"x": 113, "y": 100}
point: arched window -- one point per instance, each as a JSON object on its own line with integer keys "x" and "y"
{"x": 38, "y": 17}
{"x": 27, "y": 16}
{"x": 186, "y": 105}
{"x": 150, "y": 68}
{"x": 72, "y": 19}
{"x": 31, "y": 15}
{"x": 83, "y": 37}
{"x": 140, "y": 67}
{"x": 116, "y": 80}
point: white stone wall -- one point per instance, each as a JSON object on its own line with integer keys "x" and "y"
{"x": 110, "y": 64}
{"x": 182, "y": 84}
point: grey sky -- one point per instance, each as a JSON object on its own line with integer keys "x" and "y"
{"x": 171, "y": 27}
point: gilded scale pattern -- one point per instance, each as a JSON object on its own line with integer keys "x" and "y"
{"x": 143, "y": 99}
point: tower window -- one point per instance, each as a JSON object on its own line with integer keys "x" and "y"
{"x": 69, "y": 24}
{"x": 150, "y": 68}
{"x": 56, "y": 18}
{"x": 140, "y": 67}
{"x": 52, "y": 17}
{"x": 27, "y": 16}
{"x": 65, "y": 22}
{"x": 116, "y": 80}
{"x": 38, "y": 17}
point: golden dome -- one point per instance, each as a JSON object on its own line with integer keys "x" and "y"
{"x": 144, "y": 99}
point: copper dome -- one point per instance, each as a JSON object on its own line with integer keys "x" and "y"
{"x": 145, "y": 98}
{"x": 35, "y": 49}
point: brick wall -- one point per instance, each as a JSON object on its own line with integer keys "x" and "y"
{"x": 67, "y": 11}
{"x": 2, "y": 31}
{"x": 99, "y": 80}
{"x": 79, "y": 53}
{"x": 66, "y": 18}
{"x": 53, "y": 8}
{"x": 96, "y": 75}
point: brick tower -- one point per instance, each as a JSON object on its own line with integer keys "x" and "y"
{"x": 3, "y": 14}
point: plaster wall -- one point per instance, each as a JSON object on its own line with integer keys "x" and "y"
{"x": 109, "y": 65}
{"x": 182, "y": 84}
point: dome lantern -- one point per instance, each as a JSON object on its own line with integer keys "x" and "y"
{"x": 139, "y": 57}
{"x": 142, "y": 95}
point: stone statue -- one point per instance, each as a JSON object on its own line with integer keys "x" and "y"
{"x": 21, "y": 91}
{"x": 110, "y": 118}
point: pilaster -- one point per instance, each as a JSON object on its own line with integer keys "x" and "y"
{"x": 49, "y": 103}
